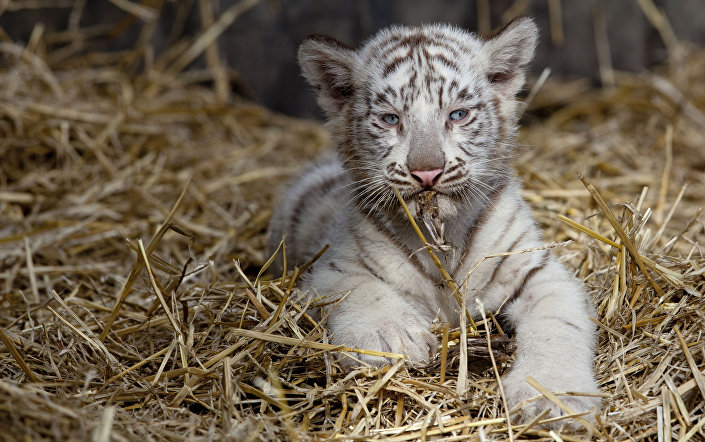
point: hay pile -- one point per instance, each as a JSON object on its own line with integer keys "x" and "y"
{"x": 105, "y": 164}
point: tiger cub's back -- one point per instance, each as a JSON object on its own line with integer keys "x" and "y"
{"x": 306, "y": 215}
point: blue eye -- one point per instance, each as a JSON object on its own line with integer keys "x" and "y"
{"x": 458, "y": 115}
{"x": 391, "y": 119}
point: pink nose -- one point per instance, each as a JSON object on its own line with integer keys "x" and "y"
{"x": 426, "y": 178}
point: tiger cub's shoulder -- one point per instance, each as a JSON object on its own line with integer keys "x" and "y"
{"x": 310, "y": 203}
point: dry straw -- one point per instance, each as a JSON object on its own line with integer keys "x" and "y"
{"x": 134, "y": 202}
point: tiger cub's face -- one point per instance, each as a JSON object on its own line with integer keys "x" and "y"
{"x": 423, "y": 108}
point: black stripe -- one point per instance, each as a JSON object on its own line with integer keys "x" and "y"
{"x": 537, "y": 301}
{"x": 408, "y": 253}
{"x": 451, "y": 178}
{"x": 464, "y": 94}
{"x": 412, "y": 80}
{"x": 386, "y": 44}
{"x": 502, "y": 259}
{"x": 373, "y": 272}
{"x": 397, "y": 181}
{"x": 363, "y": 257}
{"x": 527, "y": 277}
{"x": 391, "y": 67}
{"x": 334, "y": 267}
{"x": 373, "y": 135}
{"x": 480, "y": 222}
{"x": 399, "y": 172}
{"x": 321, "y": 188}
{"x": 382, "y": 98}
{"x": 445, "y": 61}
{"x": 470, "y": 121}
{"x": 466, "y": 150}
{"x": 508, "y": 224}
{"x": 454, "y": 167}
{"x": 427, "y": 80}
{"x": 415, "y": 40}
{"x": 500, "y": 119}
{"x": 564, "y": 321}
{"x": 442, "y": 41}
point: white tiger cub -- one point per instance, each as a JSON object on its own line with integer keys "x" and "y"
{"x": 433, "y": 108}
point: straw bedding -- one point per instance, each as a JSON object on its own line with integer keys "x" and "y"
{"x": 134, "y": 203}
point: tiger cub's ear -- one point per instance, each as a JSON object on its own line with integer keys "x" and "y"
{"x": 507, "y": 52}
{"x": 329, "y": 66}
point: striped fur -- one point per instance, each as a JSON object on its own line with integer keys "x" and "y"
{"x": 421, "y": 75}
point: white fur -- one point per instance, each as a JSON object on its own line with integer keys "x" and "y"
{"x": 395, "y": 292}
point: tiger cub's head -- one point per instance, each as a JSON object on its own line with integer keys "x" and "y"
{"x": 423, "y": 108}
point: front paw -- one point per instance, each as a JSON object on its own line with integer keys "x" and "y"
{"x": 404, "y": 334}
{"x": 517, "y": 390}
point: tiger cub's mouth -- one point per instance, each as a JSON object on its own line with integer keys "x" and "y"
{"x": 431, "y": 206}
{"x": 427, "y": 204}
{"x": 427, "y": 213}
